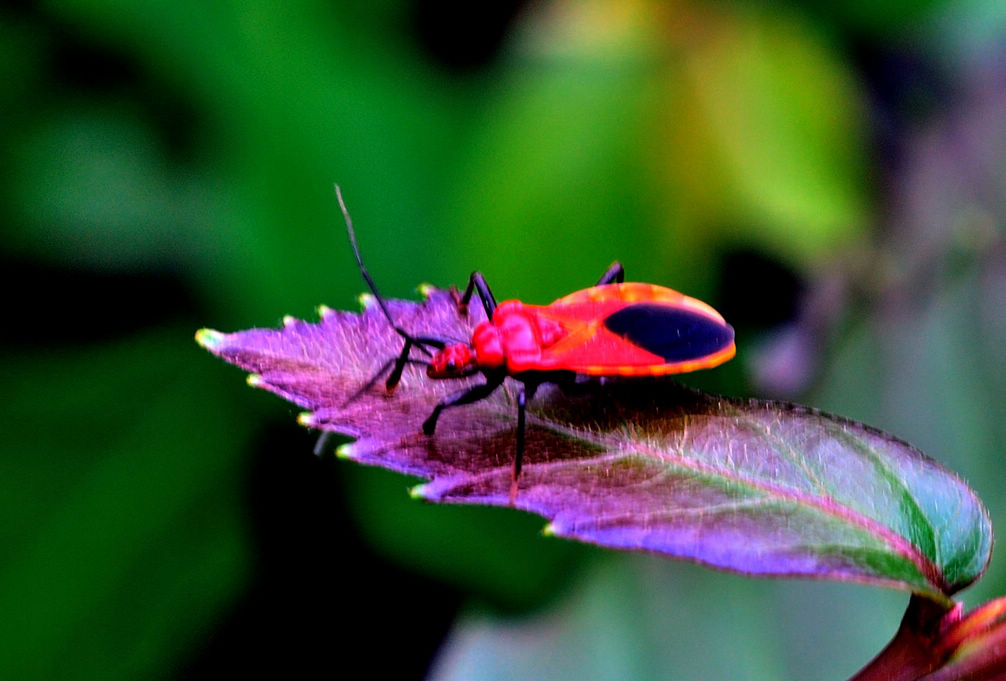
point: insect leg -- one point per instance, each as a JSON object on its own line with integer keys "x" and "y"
{"x": 319, "y": 446}
{"x": 396, "y": 374}
{"x": 399, "y": 365}
{"x": 376, "y": 377}
{"x": 525, "y": 394}
{"x": 477, "y": 282}
{"x": 614, "y": 275}
{"x": 403, "y": 358}
{"x": 466, "y": 396}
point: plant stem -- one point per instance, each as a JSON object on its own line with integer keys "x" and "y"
{"x": 914, "y": 651}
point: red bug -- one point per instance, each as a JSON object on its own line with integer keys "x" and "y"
{"x": 610, "y": 329}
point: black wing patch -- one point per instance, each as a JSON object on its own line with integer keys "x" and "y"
{"x": 676, "y": 334}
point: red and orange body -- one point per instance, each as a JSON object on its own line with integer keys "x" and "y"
{"x": 614, "y": 329}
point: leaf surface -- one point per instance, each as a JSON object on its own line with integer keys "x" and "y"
{"x": 757, "y": 487}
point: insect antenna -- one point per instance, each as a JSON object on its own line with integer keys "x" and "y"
{"x": 409, "y": 339}
{"x": 424, "y": 343}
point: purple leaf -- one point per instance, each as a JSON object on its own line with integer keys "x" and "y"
{"x": 762, "y": 488}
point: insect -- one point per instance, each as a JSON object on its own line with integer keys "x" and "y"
{"x": 611, "y": 329}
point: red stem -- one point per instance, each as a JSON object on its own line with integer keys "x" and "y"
{"x": 937, "y": 642}
{"x": 914, "y": 650}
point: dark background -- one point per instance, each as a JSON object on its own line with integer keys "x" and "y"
{"x": 833, "y": 180}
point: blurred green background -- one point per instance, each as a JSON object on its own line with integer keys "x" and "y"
{"x": 833, "y": 179}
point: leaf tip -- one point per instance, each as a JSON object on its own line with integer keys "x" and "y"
{"x": 426, "y": 289}
{"x": 324, "y": 311}
{"x": 550, "y": 530}
{"x": 419, "y": 491}
{"x": 289, "y": 320}
{"x": 306, "y": 418}
{"x": 366, "y": 300}
{"x": 255, "y": 380}
{"x": 209, "y": 339}
{"x": 345, "y": 451}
